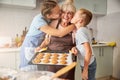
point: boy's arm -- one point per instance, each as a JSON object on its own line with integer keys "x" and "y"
{"x": 57, "y": 32}
{"x": 86, "y": 60}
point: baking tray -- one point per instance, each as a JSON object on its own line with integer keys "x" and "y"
{"x": 61, "y": 56}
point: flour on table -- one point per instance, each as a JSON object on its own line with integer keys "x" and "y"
{"x": 44, "y": 78}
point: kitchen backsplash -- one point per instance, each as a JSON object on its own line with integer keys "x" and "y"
{"x": 13, "y": 20}
{"x": 5, "y": 41}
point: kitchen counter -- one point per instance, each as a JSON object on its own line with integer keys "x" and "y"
{"x": 18, "y": 49}
{"x": 9, "y": 49}
{"x": 99, "y": 45}
{"x": 10, "y": 57}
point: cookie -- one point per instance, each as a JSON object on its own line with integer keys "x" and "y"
{"x": 47, "y": 54}
{"x": 55, "y": 55}
{"x": 40, "y": 56}
{"x": 47, "y": 57}
{"x": 63, "y": 62}
{"x": 56, "y": 58}
{"x": 64, "y": 55}
{"x": 45, "y": 61}
{"x": 54, "y": 61}
{"x": 63, "y": 58}
{"x": 36, "y": 60}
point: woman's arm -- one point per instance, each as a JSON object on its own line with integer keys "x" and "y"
{"x": 56, "y": 32}
{"x": 44, "y": 43}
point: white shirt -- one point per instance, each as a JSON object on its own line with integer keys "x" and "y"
{"x": 83, "y": 35}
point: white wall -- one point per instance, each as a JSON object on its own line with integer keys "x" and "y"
{"x": 13, "y": 20}
{"x": 93, "y": 25}
{"x": 108, "y": 30}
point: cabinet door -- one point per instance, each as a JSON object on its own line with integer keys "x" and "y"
{"x": 5, "y": 1}
{"x": 99, "y": 6}
{"x": 95, "y": 6}
{"x": 7, "y": 59}
{"x": 83, "y": 4}
{"x": 107, "y": 60}
{"x": 25, "y": 3}
{"x": 20, "y": 3}
{"x": 104, "y": 57}
{"x": 78, "y": 71}
{"x": 97, "y": 53}
{"x": 17, "y": 59}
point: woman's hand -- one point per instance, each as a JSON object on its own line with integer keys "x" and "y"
{"x": 85, "y": 75}
{"x": 37, "y": 49}
{"x": 74, "y": 51}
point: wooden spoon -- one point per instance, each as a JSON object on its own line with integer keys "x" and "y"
{"x": 63, "y": 70}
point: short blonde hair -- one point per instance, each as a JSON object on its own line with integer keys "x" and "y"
{"x": 88, "y": 15}
{"x": 68, "y": 6}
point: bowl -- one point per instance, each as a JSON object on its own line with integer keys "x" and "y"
{"x": 7, "y": 73}
{"x": 35, "y": 75}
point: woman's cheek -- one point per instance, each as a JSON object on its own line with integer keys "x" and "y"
{"x": 72, "y": 21}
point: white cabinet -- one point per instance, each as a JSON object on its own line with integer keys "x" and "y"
{"x": 99, "y": 7}
{"x": 17, "y": 59}
{"x": 25, "y": 3}
{"x": 9, "y": 58}
{"x": 78, "y": 71}
{"x": 104, "y": 57}
{"x": 5, "y": 1}
{"x": 20, "y": 3}
{"x": 95, "y": 6}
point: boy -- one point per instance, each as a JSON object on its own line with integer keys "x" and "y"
{"x": 83, "y": 44}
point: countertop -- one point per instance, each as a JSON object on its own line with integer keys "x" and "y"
{"x": 99, "y": 45}
{"x": 15, "y": 49}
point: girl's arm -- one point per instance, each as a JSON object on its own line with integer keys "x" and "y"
{"x": 57, "y": 32}
{"x": 86, "y": 60}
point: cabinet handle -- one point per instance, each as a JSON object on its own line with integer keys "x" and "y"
{"x": 102, "y": 52}
{"x": 94, "y": 7}
{"x": 99, "y": 51}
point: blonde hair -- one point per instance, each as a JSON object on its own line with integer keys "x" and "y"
{"x": 87, "y": 15}
{"x": 69, "y": 1}
{"x": 68, "y": 6}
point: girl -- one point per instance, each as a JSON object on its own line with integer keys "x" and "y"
{"x": 39, "y": 26}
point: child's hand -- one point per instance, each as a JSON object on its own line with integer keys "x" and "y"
{"x": 85, "y": 75}
{"x": 74, "y": 51}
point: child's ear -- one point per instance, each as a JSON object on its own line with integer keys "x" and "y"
{"x": 80, "y": 20}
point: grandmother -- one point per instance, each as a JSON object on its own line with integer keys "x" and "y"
{"x": 64, "y": 43}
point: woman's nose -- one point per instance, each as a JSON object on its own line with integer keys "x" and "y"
{"x": 66, "y": 15}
